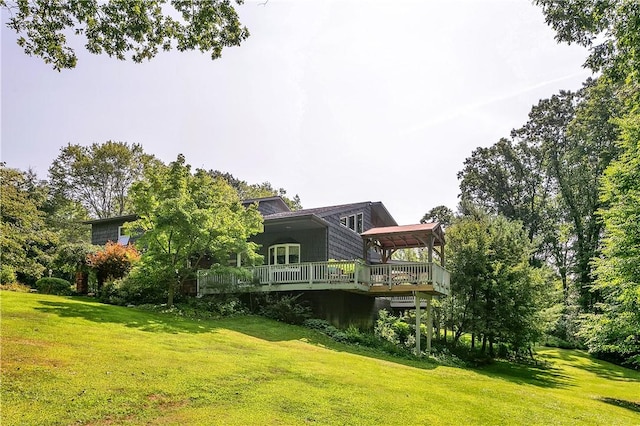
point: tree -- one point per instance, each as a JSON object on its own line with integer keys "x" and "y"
{"x": 546, "y": 175}
{"x": 98, "y": 176}
{"x": 496, "y": 293}
{"x": 441, "y": 214}
{"x": 257, "y": 190}
{"x": 136, "y": 27}
{"x": 186, "y": 218}
{"x": 508, "y": 178}
{"x": 25, "y": 241}
{"x": 610, "y": 29}
{"x": 616, "y": 330}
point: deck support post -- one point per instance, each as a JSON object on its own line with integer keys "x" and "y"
{"x": 429, "y": 324}
{"x": 416, "y": 296}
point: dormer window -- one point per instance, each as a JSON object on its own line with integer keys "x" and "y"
{"x": 355, "y": 222}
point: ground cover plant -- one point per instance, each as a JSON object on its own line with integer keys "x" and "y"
{"x": 71, "y": 360}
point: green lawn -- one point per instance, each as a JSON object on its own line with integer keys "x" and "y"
{"x": 74, "y": 361}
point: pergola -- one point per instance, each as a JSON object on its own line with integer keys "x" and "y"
{"x": 388, "y": 240}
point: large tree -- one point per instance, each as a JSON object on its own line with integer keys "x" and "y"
{"x": 546, "y": 175}
{"x": 248, "y": 191}
{"x": 26, "y": 243}
{"x": 609, "y": 28}
{"x": 98, "y": 176}
{"x": 495, "y": 291}
{"x": 119, "y": 28}
{"x": 616, "y": 330}
{"x": 186, "y": 217}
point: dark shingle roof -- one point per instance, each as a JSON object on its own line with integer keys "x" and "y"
{"x": 318, "y": 211}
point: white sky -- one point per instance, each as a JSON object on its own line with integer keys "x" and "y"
{"x": 337, "y": 101}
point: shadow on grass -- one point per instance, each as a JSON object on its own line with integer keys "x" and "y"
{"x": 629, "y": 405}
{"x": 272, "y": 331}
{"x": 603, "y": 369}
{"x": 95, "y": 312}
{"x": 258, "y": 327}
{"x": 540, "y": 375}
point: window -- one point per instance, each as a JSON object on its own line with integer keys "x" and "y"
{"x": 355, "y": 222}
{"x": 284, "y": 254}
{"x": 123, "y": 238}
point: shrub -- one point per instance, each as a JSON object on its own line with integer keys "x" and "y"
{"x": 54, "y": 286}
{"x": 15, "y": 286}
{"x": 141, "y": 286}
{"x": 284, "y": 308}
{"x": 7, "y": 275}
{"x": 113, "y": 262}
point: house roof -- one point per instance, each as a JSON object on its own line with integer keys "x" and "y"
{"x": 320, "y": 212}
{"x": 275, "y": 198}
{"x": 124, "y": 218}
{"x": 407, "y": 236}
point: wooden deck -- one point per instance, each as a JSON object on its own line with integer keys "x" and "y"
{"x": 376, "y": 280}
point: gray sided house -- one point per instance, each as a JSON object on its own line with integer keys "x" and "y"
{"x": 338, "y": 258}
{"x": 318, "y": 234}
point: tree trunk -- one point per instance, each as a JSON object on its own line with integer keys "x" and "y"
{"x": 82, "y": 282}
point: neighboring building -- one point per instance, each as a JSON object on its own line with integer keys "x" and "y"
{"x": 110, "y": 229}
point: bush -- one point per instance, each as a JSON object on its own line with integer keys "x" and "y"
{"x": 54, "y": 286}
{"x": 15, "y": 286}
{"x": 136, "y": 289}
{"x": 7, "y": 275}
{"x": 283, "y": 308}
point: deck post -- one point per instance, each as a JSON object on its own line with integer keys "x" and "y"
{"x": 416, "y": 295}
{"x": 429, "y": 324}
{"x": 311, "y": 268}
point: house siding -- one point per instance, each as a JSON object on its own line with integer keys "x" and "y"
{"x": 101, "y": 233}
{"x": 313, "y": 243}
{"x": 345, "y": 244}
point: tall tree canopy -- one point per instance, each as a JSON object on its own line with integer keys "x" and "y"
{"x": 98, "y": 176}
{"x": 617, "y": 329}
{"x": 118, "y": 28}
{"x": 546, "y": 176}
{"x": 25, "y": 240}
{"x": 187, "y": 217}
{"x": 609, "y": 28}
{"x": 248, "y": 191}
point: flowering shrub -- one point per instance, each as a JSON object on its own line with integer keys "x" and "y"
{"x": 113, "y": 262}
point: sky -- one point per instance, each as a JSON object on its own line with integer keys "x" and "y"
{"x": 336, "y": 101}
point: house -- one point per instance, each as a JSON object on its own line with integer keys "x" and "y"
{"x": 339, "y": 258}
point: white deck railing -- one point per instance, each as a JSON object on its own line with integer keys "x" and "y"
{"x": 352, "y": 272}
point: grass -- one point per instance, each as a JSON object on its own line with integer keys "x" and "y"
{"x": 71, "y": 360}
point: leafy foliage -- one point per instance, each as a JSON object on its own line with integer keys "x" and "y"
{"x": 139, "y": 27}
{"x": 496, "y": 294}
{"x": 113, "y": 262}
{"x": 616, "y": 330}
{"x": 284, "y": 308}
{"x": 98, "y": 176}
{"x": 7, "y": 274}
{"x": 187, "y": 218}
{"x": 257, "y": 190}
{"x": 54, "y": 286}
{"x": 610, "y": 29}
{"x": 442, "y": 214}
{"x": 25, "y": 241}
